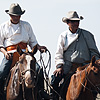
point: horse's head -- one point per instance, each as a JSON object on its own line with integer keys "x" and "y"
{"x": 94, "y": 73}
{"x": 27, "y": 64}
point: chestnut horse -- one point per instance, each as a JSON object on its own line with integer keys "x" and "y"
{"x": 85, "y": 83}
{"x": 22, "y": 81}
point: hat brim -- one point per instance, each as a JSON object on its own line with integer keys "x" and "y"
{"x": 15, "y": 14}
{"x": 64, "y": 19}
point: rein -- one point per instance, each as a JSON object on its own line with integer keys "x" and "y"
{"x": 23, "y": 73}
{"x": 95, "y": 86}
{"x": 45, "y": 66}
{"x": 23, "y": 80}
{"x": 46, "y": 73}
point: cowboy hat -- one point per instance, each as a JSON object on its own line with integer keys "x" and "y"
{"x": 72, "y": 15}
{"x": 15, "y": 9}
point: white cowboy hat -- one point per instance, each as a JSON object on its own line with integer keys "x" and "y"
{"x": 15, "y": 9}
{"x": 72, "y": 15}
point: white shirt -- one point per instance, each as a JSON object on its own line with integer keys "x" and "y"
{"x": 11, "y": 34}
{"x": 64, "y": 40}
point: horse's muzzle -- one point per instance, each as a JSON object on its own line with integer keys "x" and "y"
{"x": 29, "y": 82}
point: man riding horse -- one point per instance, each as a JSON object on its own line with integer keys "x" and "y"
{"x": 17, "y": 32}
{"x": 75, "y": 48}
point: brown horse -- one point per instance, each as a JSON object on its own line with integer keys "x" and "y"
{"x": 85, "y": 84}
{"x": 22, "y": 81}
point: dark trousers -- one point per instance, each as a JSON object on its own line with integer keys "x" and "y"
{"x": 4, "y": 71}
{"x": 5, "y": 68}
{"x": 63, "y": 88}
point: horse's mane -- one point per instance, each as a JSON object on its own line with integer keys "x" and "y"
{"x": 14, "y": 86}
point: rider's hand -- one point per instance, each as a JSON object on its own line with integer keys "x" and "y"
{"x": 8, "y": 55}
{"x": 42, "y": 48}
{"x": 58, "y": 71}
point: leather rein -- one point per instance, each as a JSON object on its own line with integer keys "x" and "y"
{"x": 23, "y": 81}
{"x": 95, "y": 86}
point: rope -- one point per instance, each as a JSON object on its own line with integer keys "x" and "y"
{"x": 45, "y": 68}
{"x": 46, "y": 79}
{"x": 23, "y": 73}
{"x": 23, "y": 80}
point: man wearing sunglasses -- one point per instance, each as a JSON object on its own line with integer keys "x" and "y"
{"x": 75, "y": 47}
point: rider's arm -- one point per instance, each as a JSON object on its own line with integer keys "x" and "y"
{"x": 59, "y": 52}
{"x": 6, "y": 54}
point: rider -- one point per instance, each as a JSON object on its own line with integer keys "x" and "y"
{"x": 17, "y": 32}
{"x": 75, "y": 47}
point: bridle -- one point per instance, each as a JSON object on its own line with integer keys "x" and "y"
{"x": 22, "y": 81}
{"x": 23, "y": 77}
{"x": 95, "y": 86}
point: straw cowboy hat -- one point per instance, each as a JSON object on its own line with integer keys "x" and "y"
{"x": 72, "y": 15}
{"x": 15, "y": 9}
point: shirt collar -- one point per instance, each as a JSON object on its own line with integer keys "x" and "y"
{"x": 69, "y": 32}
{"x": 9, "y": 23}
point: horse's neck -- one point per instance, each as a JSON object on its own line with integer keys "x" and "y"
{"x": 75, "y": 86}
{"x": 83, "y": 80}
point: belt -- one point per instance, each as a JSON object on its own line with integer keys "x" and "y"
{"x": 77, "y": 64}
{"x": 13, "y": 47}
{"x": 81, "y": 64}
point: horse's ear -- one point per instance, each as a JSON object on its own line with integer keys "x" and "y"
{"x": 34, "y": 50}
{"x": 93, "y": 60}
{"x": 19, "y": 50}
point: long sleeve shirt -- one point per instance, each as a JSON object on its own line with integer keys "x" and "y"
{"x": 11, "y": 34}
{"x": 85, "y": 47}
